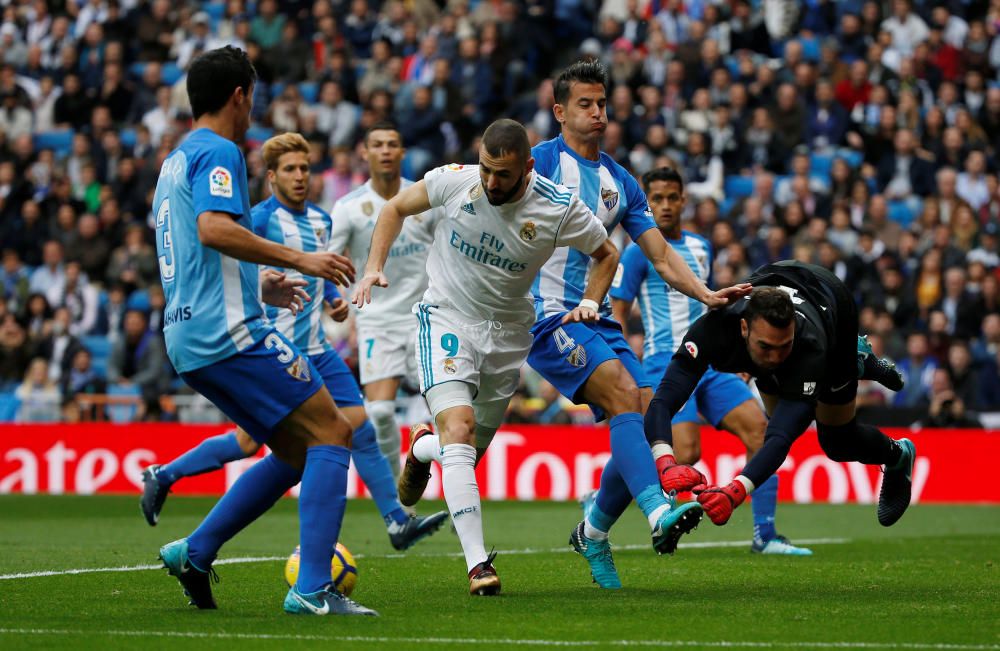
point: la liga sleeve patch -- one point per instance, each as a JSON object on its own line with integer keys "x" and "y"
{"x": 220, "y": 183}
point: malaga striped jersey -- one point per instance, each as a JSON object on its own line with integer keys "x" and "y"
{"x": 305, "y": 230}
{"x": 666, "y": 313}
{"x": 213, "y": 308}
{"x": 610, "y": 192}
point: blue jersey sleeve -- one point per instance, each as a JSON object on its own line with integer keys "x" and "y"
{"x": 631, "y": 273}
{"x": 638, "y": 219}
{"x": 215, "y": 176}
{"x": 260, "y": 216}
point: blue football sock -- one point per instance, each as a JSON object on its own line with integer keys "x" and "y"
{"x": 763, "y": 503}
{"x": 375, "y": 472}
{"x": 322, "y": 499}
{"x": 254, "y": 492}
{"x": 611, "y": 500}
{"x": 634, "y": 460}
{"x": 210, "y": 454}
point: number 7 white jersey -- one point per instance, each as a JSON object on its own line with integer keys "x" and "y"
{"x": 484, "y": 257}
{"x": 354, "y": 217}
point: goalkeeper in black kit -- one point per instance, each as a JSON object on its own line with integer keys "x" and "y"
{"x": 796, "y": 333}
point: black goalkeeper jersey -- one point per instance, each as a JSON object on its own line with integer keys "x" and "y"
{"x": 820, "y": 301}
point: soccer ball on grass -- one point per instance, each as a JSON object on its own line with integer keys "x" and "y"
{"x": 343, "y": 570}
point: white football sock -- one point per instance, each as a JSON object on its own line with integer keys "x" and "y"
{"x": 458, "y": 476}
{"x": 383, "y": 416}
{"x": 592, "y": 532}
{"x": 662, "y": 450}
{"x": 428, "y": 448}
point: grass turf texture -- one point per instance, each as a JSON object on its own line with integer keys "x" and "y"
{"x": 932, "y": 580}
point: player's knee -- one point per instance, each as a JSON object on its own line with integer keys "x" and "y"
{"x": 459, "y": 429}
{"x": 688, "y": 452}
{"x": 624, "y": 396}
{"x": 835, "y": 440}
{"x": 752, "y": 433}
{"x": 248, "y": 446}
{"x": 382, "y": 413}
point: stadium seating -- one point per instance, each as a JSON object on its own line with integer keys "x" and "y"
{"x": 60, "y": 141}
{"x": 738, "y": 187}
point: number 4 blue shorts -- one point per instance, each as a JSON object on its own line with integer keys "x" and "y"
{"x": 260, "y": 385}
{"x": 716, "y": 394}
{"x": 568, "y": 354}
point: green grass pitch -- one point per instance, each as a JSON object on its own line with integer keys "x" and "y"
{"x": 930, "y": 582}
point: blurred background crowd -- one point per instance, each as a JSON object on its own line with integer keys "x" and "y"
{"x": 862, "y": 136}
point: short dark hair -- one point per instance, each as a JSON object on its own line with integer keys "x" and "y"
{"x": 506, "y": 137}
{"x": 772, "y": 304}
{"x": 213, "y": 76}
{"x": 586, "y": 71}
{"x": 382, "y": 125}
{"x": 668, "y": 174}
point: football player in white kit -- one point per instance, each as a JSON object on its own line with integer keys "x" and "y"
{"x": 386, "y": 342}
{"x": 501, "y": 223}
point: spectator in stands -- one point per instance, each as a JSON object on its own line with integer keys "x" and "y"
{"x": 945, "y": 408}
{"x": 138, "y": 360}
{"x": 959, "y": 305}
{"x": 91, "y": 246}
{"x": 79, "y": 297}
{"x": 15, "y": 352}
{"x": 134, "y": 263}
{"x": 38, "y": 394}
{"x": 111, "y": 313}
{"x": 81, "y": 378}
{"x": 918, "y": 371}
{"x": 13, "y": 280}
{"x": 971, "y": 183}
{"x": 15, "y": 117}
{"x": 52, "y": 272}
{"x": 902, "y": 174}
{"x": 60, "y": 345}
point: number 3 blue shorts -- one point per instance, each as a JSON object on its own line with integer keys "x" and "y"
{"x": 339, "y": 380}
{"x": 568, "y": 354}
{"x": 259, "y": 386}
{"x": 716, "y": 395}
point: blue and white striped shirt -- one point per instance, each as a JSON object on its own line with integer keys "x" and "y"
{"x": 610, "y": 192}
{"x": 308, "y": 231}
{"x": 666, "y": 313}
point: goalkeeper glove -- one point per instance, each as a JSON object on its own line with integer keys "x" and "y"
{"x": 719, "y": 503}
{"x": 677, "y": 477}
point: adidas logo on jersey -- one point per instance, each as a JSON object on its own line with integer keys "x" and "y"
{"x": 469, "y": 209}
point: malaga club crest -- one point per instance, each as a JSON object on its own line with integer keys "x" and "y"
{"x": 299, "y": 369}
{"x": 610, "y": 199}
{"x": 528, "y": 232}
{"x": 578, "y": 357}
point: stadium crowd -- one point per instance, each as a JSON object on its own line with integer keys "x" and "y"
{"x": 862, "y": 136}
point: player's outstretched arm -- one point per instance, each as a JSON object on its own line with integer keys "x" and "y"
{"x": 672, "y": 268}
{"x": 598, "y": 283}
{"x": 410, "y": 201}
{"x": 220, "y": 231}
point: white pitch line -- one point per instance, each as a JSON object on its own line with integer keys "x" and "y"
{"x": 506, "y": 552}
{"x": 655, "y": 644}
